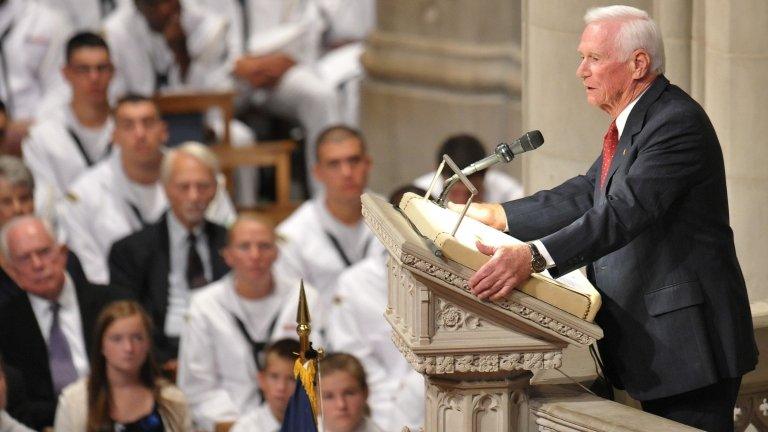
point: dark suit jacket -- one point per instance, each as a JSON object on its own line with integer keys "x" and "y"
{"x": 141, "y": 263}
{"x": 24, "y": 348}
{"x": 658, "y": 246}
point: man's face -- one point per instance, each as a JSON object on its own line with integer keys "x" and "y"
{"x": 606, "y": 77}
{"x": 277, "y": 383}
{"x": 190, "y": 189}
{"x": 343, "y": 402}
{"x": 14, "y": 201}
{"x": 459, "y": 193}
{"x": 140, "y": 133}
{"x": 89, "y": 71}
{"x": 158, "y": 12}
{"x": 251, "y": 250}
{"x": 343, "y": 168}
{"x": 36, "y": 262}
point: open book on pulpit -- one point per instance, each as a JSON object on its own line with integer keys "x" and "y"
{"x": 572, "y": 293}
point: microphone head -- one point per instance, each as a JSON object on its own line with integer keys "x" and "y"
{"x": 529, "y": 141}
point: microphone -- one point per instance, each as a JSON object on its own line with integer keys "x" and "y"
{"x": 503, "y": 153}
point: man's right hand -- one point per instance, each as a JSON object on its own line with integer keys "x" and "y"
{"x": 491, "y": 214}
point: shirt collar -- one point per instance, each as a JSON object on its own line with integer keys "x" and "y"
{"x": 177, "y": 232}
{"x": 67, "y": 298}
{"x": 621, "y": 120}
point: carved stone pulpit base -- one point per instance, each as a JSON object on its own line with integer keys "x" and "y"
{"x": 475, "y": 406}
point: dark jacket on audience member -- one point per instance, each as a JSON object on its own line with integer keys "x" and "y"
{"x": 141, "y": 263}
{"x": 24, "y": 349}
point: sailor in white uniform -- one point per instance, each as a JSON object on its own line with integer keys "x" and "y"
{"x": 231, "y": 319}
{"x": 32, "y": 38}
{"x": 60, "y": 147}
{"x": 356, "y": 325}
{"x": 122, "y": 194}
{"x": 327, "y": 234}
{"x": 277, "y": 45}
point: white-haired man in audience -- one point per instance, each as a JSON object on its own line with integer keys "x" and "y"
{"x": 231, "y": 321}
{"x": 123, "y": 193}
{"x": 32, "y": 38}
{"x": 169, "y": 259}
{"x": 44, "y": 335}
{"x": 79, "y": 133}
{"x": 327, "y": 233}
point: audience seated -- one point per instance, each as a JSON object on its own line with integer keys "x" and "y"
{"x": 78, "y": 134}
{"x": 326, "y": 234}
{"x": 123, "y": 193}
{"x": 492, "y": 185}
{"x": 124, "y": 391}
{"x": 8, "y": 423}
{"x": 348, "y": 22}
{"x": 278, "y": 44}
{"x": 32, "y": 38}
{"x": 87, "y": 15}
{"x": 231, "y": 321}
{"x": 167, "y": 260}
{"x": 356, "y": 325}
{"x": 277, "y": 383}
{"x": 344, "y": 395}
{"x": 44, "y": 334}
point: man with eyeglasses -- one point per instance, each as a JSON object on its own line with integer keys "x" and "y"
{"x": 45, "y": 331}
{"x": 60, "y": 147}
{"x": 327, "y": 233}
{"x": 123, "y": 193}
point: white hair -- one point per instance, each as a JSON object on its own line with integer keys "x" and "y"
{"x": 637, "y": 31}
{"x": 5, "y": 249}
{"x": 197, "y": 150}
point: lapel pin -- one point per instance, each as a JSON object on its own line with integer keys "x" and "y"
{"x": 624, "y": 153}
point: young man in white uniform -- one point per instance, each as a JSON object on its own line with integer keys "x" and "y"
{"x": 60, "y": 147}
{"x": 327, "y": 234}
{"x": 230, "y": 322}
{"x": 277, "y": 46}
{"x": 123, "y": 193}
{"x": 32, "y": 38}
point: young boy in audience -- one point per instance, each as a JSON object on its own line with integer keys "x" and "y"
{"x": 277, "y": 382}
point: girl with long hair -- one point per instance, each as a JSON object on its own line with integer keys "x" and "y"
{"x": 125, "y": 391}
{"x": 344, "y": 395}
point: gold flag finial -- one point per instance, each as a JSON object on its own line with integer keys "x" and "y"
{"x": 303, "y": 326}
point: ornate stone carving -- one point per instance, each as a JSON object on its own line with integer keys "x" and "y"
{"x": 494, "y": 362}
{"x": 449, "y": 317}
{"x": 751, "y": 410}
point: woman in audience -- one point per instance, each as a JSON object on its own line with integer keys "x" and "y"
{"x": 125, "y": 391}
{"x": 344, "y": 395}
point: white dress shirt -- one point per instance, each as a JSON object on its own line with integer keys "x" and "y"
{"x": 52, "y": 154}
{"x": 97, "y": 213}
{"x": 34, "y": 51}
{"x": 309, "y": 253}
{"x": 261, "y": 419}
{"x": 217, "y": 371}
{"x": 70, "y": 322}
{"x": 179, "y": 293}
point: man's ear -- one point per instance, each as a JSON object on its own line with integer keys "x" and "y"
{"x": 641, "y": 64}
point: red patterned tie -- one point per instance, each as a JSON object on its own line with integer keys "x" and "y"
{"x": 610, "y": 141}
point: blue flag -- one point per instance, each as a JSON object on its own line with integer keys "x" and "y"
{"x": 299, "y": 416}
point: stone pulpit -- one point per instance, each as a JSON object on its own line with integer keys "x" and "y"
{"x": 477, "y": 356}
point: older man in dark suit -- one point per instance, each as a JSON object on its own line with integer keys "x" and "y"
{"x": 45, "y": 334}
{"x": 650, "y": 221}
{"x": 165, "y": 261}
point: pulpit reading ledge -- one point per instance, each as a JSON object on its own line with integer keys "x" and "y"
{"x": 477, "y": 356}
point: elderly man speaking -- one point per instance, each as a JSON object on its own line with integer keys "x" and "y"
{"x": 649, "y": 220}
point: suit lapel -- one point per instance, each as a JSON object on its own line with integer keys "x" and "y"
{"x": 635, "y": 123}
{"x": 163, "y": 269}
{"x": 216, "y": 241}
{"x": 28, "y": 330}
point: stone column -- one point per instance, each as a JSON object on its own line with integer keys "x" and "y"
{"x": 736, "y": 67}
{"x": 435, "y": 68}
{"x": 675, "y": 20}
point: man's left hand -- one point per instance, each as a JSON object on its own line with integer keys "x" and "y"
{"x": 508, "y": 267}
